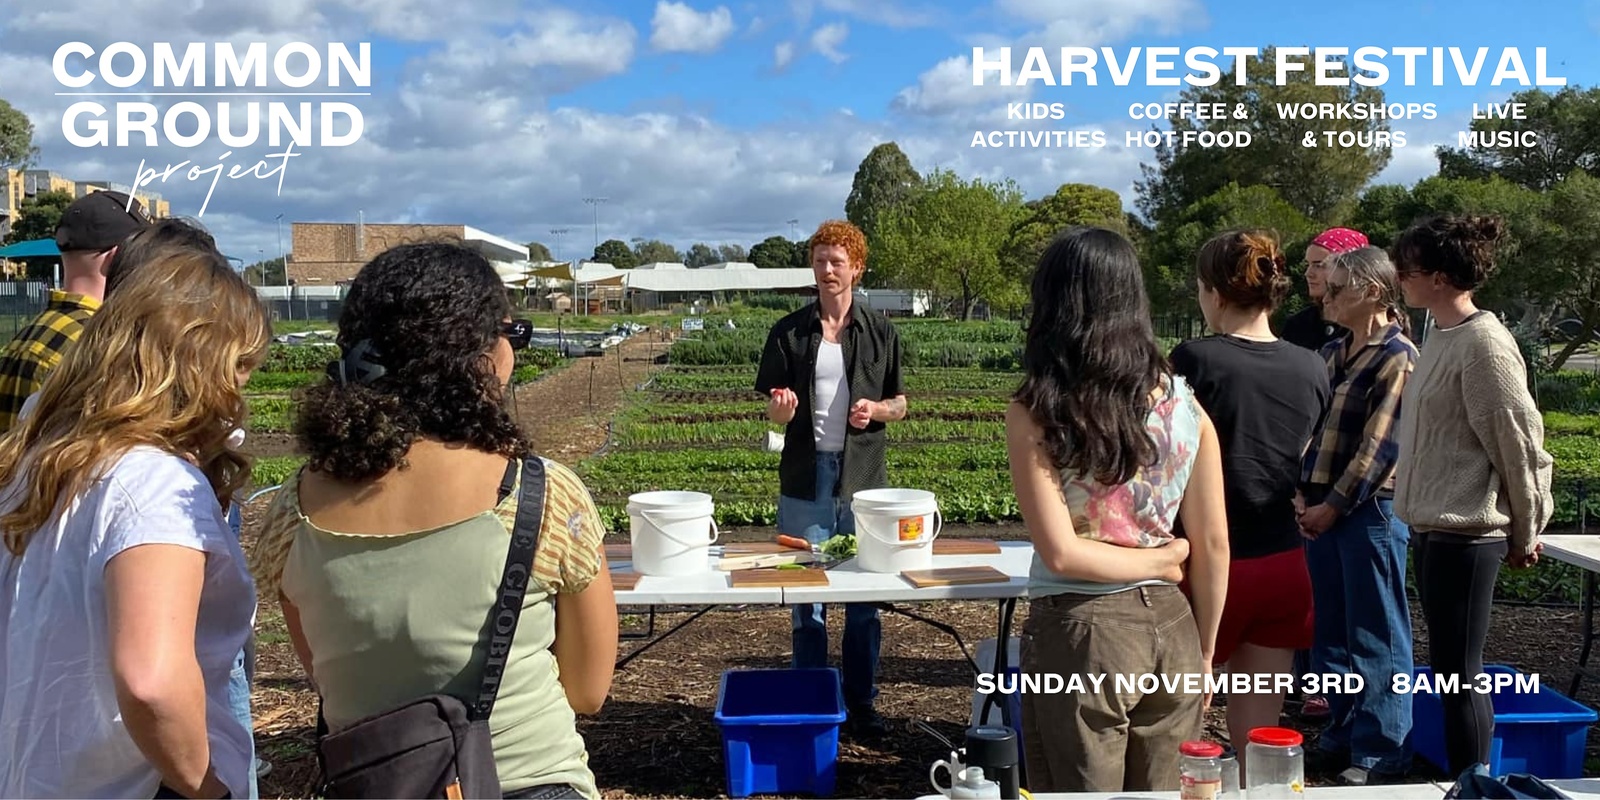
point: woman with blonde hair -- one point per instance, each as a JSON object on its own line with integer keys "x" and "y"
{"x": 126, "y": 601}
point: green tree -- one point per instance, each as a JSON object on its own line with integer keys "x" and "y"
{"x": 1567, "y": 127}
{"x": 1567, "y": 255}
{"x": 1170, "y": 263}
{"x": 265, "y": 273}
{"x": 884, "y": 180}
{"x": 1044, "y": 218}
{"x": 700, "y": 255}
{"x": 731, "y": 253}
{"x": 654, "y": 250}
{"x": 773, "y": 252}
{"x": 538, "y": 252}
{"x": 17, "y": 150}
{"x": 38, "y": 216}
{"x": 1321, "y": 182}
{"x": 616, "y": 253}
{"x": 948, "y": 238}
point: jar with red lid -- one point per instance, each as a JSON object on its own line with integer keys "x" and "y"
{"x": 1199, "y": 770}
{"x": 1274, "y": 764}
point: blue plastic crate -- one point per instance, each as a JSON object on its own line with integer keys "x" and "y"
{"x": 1541, "y": 733}
{"x": 780, "y": 730}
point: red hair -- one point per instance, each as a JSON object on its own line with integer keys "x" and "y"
{"x": 841, "y": 233}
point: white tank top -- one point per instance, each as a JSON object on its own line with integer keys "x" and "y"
{"x": 831, "y": 413}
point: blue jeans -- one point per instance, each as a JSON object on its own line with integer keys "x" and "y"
{"x": 239, "y": 678}
{"x": 1358, "y": 581}
{"x": 817, "y": 521}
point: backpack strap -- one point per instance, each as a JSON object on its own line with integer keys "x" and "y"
{"x": 513, "y": 584}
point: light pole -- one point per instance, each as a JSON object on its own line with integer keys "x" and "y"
{"x": 283, "y": 262}
{"x": 596, "y": 202}
{"x": 794, "y": 230}
{"x": 558, "y": 232}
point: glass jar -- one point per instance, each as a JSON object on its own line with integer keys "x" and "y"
{"x": 1230, "y": 776}
{"x": 1275, "y": 764}
{"x": 1199, "y": 770}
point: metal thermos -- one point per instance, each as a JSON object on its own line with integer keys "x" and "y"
{"x": 994, "y": 748}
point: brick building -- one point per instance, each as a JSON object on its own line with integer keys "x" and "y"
{"x": 331, "y": 253}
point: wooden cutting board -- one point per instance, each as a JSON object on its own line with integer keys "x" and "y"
{"x": 624, "y": 581}
{"x": 778, "y": 577}
{"x": 954, "y": 576}
{"x": 965, "y": 547}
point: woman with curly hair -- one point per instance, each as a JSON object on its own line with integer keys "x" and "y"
{"x": 126, "y": 601}
{"x": 386, "y": 549}
{"x": 1473, "y": 477}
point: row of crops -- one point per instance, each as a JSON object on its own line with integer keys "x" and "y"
{"x": 699, "y": 426}
{"x": 272, "y": 391}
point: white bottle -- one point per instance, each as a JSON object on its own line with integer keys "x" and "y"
{"x": 973, "y": 786}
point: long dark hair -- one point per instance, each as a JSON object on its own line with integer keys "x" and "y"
{"x": 1091, "y": 359}
{"x": 428, "y": 315}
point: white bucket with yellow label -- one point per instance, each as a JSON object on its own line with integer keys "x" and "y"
{"x": 895, "y": 529}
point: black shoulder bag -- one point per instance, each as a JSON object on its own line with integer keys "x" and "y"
{"x": 438, "y": 746}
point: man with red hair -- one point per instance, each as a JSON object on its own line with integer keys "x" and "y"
{"x": 831, "y": 375}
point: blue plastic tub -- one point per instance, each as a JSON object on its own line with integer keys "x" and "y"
{"x": 1540, "y": 733}
{"x": 780, "y": 730}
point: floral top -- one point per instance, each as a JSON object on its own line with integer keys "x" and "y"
{"x": 1141, "y": 512}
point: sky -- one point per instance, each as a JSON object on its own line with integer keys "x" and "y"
{"x": 696, "y": 121}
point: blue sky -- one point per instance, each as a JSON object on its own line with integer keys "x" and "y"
{"x": 710, "y": 121}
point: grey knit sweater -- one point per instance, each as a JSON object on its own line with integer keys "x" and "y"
{"x": 1472, "y": 458}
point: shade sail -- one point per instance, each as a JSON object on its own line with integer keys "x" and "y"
{"x": 30, "y": 249}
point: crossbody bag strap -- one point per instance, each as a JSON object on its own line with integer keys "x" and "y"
{"x": 513, "y": 584}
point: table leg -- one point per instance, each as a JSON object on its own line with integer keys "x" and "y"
{"x": 1588, "y": 633}
{"x": 668, "y": 632}
{"x": 1002, "y": 657}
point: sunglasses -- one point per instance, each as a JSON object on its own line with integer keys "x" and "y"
{"x": 519, "y": 332}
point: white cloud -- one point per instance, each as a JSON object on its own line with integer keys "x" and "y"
{"x": 948, "y": 88}
{"x": 827, "y": 39}
{"x": 465, "y": 132}
{"x": 1095, "y": 22}
{"x": 879, "y": 12}
{"x": 782, "y": 55}
{"x": 679, "y": 28}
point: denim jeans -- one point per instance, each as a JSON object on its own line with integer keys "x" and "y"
{"x": 239, "y": 678}
{"x": 816, "y": 521}
{"x": 1358, "y": 581}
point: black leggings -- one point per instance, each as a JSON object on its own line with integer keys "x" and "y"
{"x": 1455, "y": 577}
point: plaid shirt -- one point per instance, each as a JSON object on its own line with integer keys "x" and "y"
{"x": 1352, "y": 456}
{"x": 37, "y": 349}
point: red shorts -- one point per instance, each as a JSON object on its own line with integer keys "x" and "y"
{"x": 1269, "y": 604}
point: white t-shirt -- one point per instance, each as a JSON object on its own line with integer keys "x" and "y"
{"x": 832, "y": 412}
{"x": 61, "y": 730}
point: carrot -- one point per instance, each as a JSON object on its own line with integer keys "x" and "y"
{"x": 797, "y": 543}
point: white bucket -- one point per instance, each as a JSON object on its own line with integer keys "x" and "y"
{"x": 671, "y": 532}
{"x": 895, "y": 529}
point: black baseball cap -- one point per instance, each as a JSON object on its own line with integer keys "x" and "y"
{"x": 99, "y": 221}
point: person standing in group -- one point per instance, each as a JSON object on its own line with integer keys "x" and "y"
{"x": 1310, "y": 328}
{"x": 1266, "y": 397}
{"x": 88, "y": 236}
{"x": 126, "y": 601}
{"x": 1473, "y": 480}
{"x": 1109, "y": 451}
{"x": 1357, "y": 546}
{"x": 831, "y": 374}
{"x": 386, "y": 549}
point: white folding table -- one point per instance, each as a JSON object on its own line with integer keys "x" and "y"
{"x": 1583, "y": 552}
